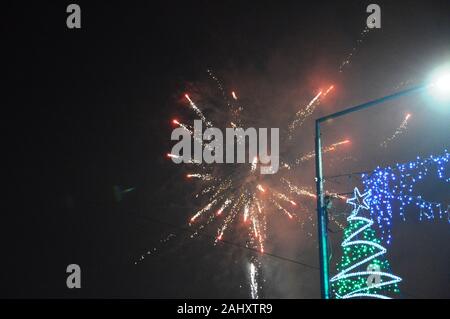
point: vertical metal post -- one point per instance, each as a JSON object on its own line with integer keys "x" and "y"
{"x": 322, "y": 214}
{"x": 322, "y": 218}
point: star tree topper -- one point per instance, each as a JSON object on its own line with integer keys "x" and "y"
{"x": 359, "y": 201}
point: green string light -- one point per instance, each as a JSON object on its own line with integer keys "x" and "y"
{"x": 362, "y": 272}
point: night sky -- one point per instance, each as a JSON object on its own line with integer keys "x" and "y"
{"x": 89, "y": 109}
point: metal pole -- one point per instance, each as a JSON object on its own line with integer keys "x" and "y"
{"x": 322, "y": 214}
{"x": 322, "y": 217}
{"x": 373, "y": 103}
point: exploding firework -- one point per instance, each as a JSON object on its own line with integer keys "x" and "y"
{"x": 238, "y": 197}
{"x": 242, "y": 190}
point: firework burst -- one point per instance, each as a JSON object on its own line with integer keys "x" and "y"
{"x": 242, "y": 191}
{"x": 238, "y": 196}
{"x": 241, "y": 194}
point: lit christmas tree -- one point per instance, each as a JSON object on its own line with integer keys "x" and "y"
{"x": 362, "y": 272}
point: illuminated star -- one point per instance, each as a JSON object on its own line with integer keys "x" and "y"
{"x": 359, "y": 201}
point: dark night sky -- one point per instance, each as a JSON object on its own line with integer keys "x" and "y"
{"x": 89, "y": 109}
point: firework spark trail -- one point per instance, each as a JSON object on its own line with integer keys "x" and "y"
{"x": 253, "y": 281}
{"x": 244, "y": 202}
{"x": 196, "y": 232}
{"x": 184, "y": 126}
{"x": 155, "y": 249}
{"x": 261, "y": 225}
{"x": 306, "y": 191}
{"x": 336, "y": 195}
{"x": 303, "y": 114}
{"x": 227, "y": 202}
{"x": 191, "y": 161}
{"x": 213, "y": 200}
{"x": 203, "y": 210}
{"x": 400, "y": 130}
{"x": 205, "y": 191}
{"x": 338, "y": 223}
{"x": 203, "y": 177}
{"x": 284, "y": 165}
{"x": 283, "y": 197}
{"x": 255, "y": 228}
{"x": 190, "y": 130}
{"x": 219, "y": 85}
{"x": 278, "y": 205}
{"x": 230, "y": 217}
{"x": 298, "y": 190}
{"x": 348, "y": 60}
{"x": 198, "y": 111}
{"x": 308, "y": 110}
{"x": 312, "y": 154}
{"x": 220, "y": 188}
{"x": 246, "y": 210}
{"x": 306, "y": 157}
{"x": 328, "y": 90}
{"x": 260, "y": 188}
{"x": 235, "y": 110}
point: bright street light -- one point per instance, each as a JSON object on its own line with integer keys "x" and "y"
{"x": 440, "y": 83}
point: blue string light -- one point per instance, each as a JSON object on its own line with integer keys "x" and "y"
{"x": 395, "y": 185}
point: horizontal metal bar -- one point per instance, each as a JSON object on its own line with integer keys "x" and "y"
{"x": 372, "y": 103}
